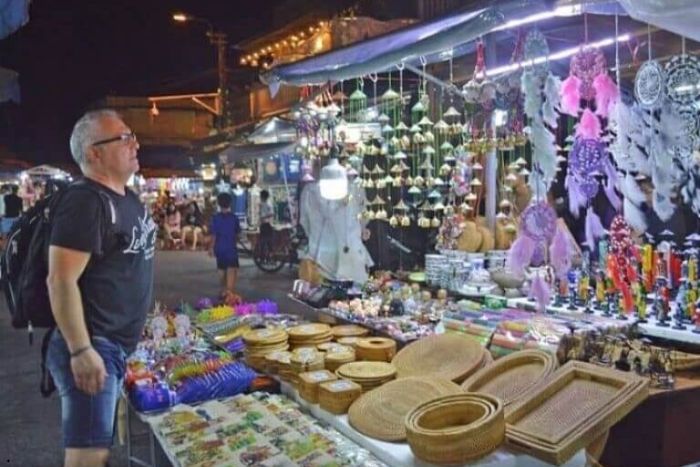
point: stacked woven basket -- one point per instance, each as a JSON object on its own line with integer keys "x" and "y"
{"x": 456, "y": 429}
{"x": 336, "y": 355}
{"x": 369, "y": 375}
{"x": 375, "y": 349}
{"x": 309, "y": 335}
{"x": 348, "y": 330}
{"x": 262, "y": 342}
{"x": 337, "y": 396}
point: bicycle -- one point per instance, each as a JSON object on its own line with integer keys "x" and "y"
{"x": 282, "y": 249}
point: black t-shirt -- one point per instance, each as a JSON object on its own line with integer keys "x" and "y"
{"x": 13, "y": 205}
{"x": 117, "y": 285}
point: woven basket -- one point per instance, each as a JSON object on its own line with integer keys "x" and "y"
{"x": 577, "y": 405}
{"x": 349, "y": 330}
{"x": 512, "y": 377}
{"x": 337, "y": 396}
{"x": 381, "y": 413}
{"x": 335, "y": 358}
{"x": 349, "y": 341}
{"x": 369, "y": 375}
{"x": 456, "y": 429}
{"x": 262, "y": 337}
{"x": 310, "y": 381}
{"x": 375, "y": 349}
{"x": 449, "y": 356}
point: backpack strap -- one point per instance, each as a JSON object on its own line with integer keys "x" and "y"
{"x": 47, "y": 385}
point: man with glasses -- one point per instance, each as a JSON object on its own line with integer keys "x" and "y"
{"x": 100, "y": 283}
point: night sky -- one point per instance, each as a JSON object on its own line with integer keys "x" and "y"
{"x": 74, "y": 52}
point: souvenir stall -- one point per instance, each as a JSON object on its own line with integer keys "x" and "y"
{"x": 527, "y": 334}
{"x": 541, "y": 182}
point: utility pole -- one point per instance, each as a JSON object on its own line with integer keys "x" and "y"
{"x": 220, "y": 40}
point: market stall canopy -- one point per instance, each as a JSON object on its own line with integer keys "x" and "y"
{"x": 273, "y": 130}
{"x": 13, "y": 15}
{"x": 429, "y": 40}
{"x": 679, "y": 16}
{"x": 239, "y": 153}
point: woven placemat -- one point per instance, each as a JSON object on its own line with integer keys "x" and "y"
{"x": 380, "y": 413}
{"x": 268, "y": 336}
{"x": 349, "y": 330}
{"x": 308, "y": 331}
{"x": 448, "y": 356}
{"x": 367, "y": 371}
{"x": 513, "y": 376}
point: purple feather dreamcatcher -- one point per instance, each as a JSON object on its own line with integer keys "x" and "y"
{"x": 589, "y": 158}
{"x": 538, "y": 225}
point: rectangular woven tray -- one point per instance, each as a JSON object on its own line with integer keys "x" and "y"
{"x": 579, "y": 403}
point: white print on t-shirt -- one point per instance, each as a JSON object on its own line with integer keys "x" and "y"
{"x": 143, "y": 237}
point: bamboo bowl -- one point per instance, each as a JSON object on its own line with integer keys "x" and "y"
{"x": 456, "y": 429}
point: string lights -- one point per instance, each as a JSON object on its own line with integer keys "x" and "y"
{"x": 267, "y": 53}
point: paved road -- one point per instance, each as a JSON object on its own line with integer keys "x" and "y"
{"x": 30, "y": 424}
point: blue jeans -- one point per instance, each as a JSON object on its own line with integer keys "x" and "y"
{"x": 87, "y": 421}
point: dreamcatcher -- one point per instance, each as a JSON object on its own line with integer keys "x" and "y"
{"x": 589, "y": 160}
{"x": 621, "y": 261}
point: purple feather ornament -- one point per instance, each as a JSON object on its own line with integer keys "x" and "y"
{"x": 560, "y": 253}
{"x": 520, "y": 254}
{"x": 577, "y": 199}
{"x": 541, "y": 292}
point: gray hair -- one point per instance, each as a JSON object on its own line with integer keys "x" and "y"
{"x": 84, "y": 132}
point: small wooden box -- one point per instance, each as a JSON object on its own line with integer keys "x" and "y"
{"x": 337, "y": 396}
{"x": 310, "y": 381}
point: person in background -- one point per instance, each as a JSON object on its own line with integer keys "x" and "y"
{"x": 267, "y": 213}
{"x": 13, "y": 209}
{"x": 192, "y": 224}
{"x": 173, "y": 225}
{"x": 224, "y": 229}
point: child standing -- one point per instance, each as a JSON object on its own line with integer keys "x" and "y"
{"x": 224, "y": 230}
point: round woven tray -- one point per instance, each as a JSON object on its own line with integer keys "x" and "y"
{"x": 265, "y": 336}
{"x": 448, "y": 356}
{"x": 381, "y": 413}
{"x": 349, "y": 330}
{"x": 308, "y": 331}
{"x": 376, "y": 349}
{"x": 456, "y": 429}
{"x": 369, "y": 375}
{"x": 513, "y": 376}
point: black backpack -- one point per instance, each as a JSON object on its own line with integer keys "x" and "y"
{"x": 24, "y": 267}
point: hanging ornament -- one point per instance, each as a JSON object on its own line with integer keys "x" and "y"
{"x": 650, "y": 85}
{"x": 682, "y": 78}
{"x": 358, "y": 102}
{"x": 586, "y": 65}
{"x": 537, "y": 226}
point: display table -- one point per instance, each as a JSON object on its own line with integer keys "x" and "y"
{"x": 400, "y": 455}
{"x": 651, "y": 328}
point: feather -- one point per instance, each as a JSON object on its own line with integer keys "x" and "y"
{"x": 663, "y": 207}
{"x": 552, "y": 89}
{"x": 610, "y": 185}
{"x": 577, "y": 199}
{"x": 606, "y": 94}
{"x": 530, "y": 85}
{"x": 631, "y": 190}
{"x": 594, "y": 228}
{"x": 544, "y": 152}
{"x": 520, "y": 254}
{"x": 589, "y": 126}
{"x": 571, "y": 95}
{"x": 560, "y": 253}
{"x": 541, "y": 292}
{"x": 634, "y": 216}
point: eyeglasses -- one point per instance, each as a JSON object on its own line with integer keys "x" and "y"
{"x": 126, "y": 137}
